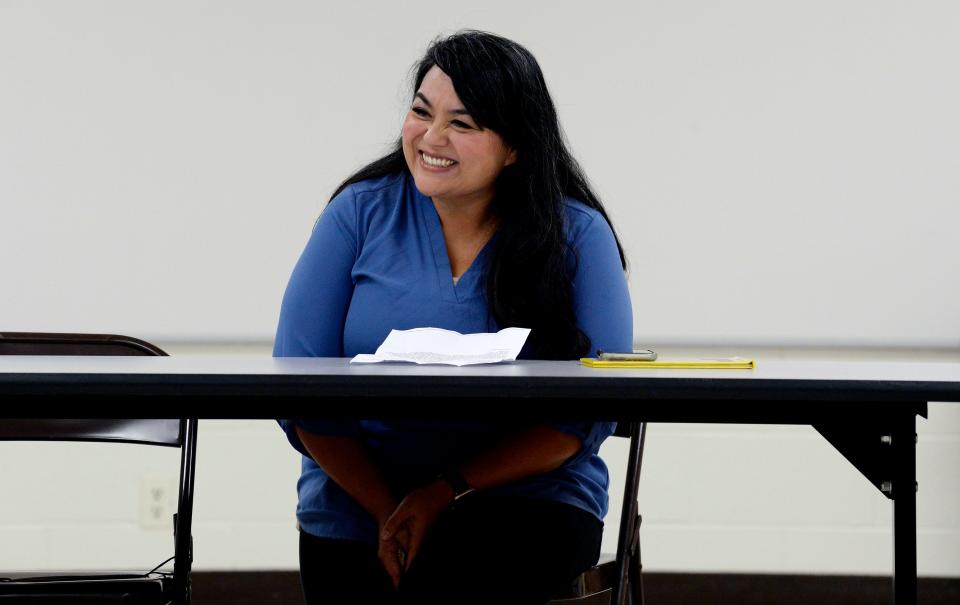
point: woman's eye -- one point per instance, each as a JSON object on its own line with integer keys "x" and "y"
{"x": 420, "y": 112}
{"x": 460, "y": 124}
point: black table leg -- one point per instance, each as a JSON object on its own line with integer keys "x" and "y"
{"x": 884, "y": 449}
{"x": 904, "y": 494}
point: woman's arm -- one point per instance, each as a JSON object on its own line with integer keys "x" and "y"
{"x": 536, "y": 450}
{"x": 346, "y": 461}
{"x": 318, "y": 293}
{"x": 601, "y": 297}
{"x": 312, "y": 316}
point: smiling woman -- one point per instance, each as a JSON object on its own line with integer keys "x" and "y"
{"x": 452, "y": 160}
{"x": 478, "y": 219}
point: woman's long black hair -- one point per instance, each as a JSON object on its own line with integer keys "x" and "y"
{"x": 529, "y": 279}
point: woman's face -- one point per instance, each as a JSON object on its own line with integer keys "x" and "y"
{"x": 450, "y": 157}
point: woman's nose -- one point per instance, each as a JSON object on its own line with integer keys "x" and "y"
{"x": 436, "y": 134}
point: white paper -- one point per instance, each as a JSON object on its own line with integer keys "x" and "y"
{"x": 437, "y": 346}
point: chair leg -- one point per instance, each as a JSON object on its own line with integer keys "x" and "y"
{"x": 627, "y": 541}
{"x": 636, "y": 567}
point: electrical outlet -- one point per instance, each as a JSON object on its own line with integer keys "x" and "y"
{"x": 158, "y": 502}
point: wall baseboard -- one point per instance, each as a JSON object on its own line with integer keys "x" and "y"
{"x": 283, "y": 587}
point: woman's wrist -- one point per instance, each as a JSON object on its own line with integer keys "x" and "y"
{"x": 456, "y": 486}
{"x": 442, "y": 491}
{"x": 383, "y": 512}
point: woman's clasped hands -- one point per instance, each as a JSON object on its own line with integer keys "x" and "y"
{"x": 403, "y": 532}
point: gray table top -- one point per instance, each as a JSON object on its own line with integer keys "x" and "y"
{"x": 781, "y": 369}
{"x": 232, "y": 374}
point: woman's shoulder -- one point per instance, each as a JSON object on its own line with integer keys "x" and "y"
{"x": 362, "y": 205}
{"x": 358, "y": 203}
{"x": 581, "y": 218}
{"x": 577, "y": 210}
{"x": 379, "y": 187}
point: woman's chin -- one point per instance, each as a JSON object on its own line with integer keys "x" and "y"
{"x": 428, "y": 185}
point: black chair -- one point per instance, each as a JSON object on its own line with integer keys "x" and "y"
{"x": 617, "y": 580}
{"x": 151, "y": 587}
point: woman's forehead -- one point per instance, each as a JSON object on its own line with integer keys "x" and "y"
{"x": 437, "y": 79}
{"x": 437, "y": 87}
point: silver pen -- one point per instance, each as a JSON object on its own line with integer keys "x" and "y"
{"x": 635, "y": 355}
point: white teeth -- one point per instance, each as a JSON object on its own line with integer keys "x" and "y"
{"x": 438, "y": 162}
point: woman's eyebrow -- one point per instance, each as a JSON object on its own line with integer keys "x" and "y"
{"x": 458, "y": 111}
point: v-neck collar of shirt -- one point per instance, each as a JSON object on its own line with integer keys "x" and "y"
{"x": 469, "y": 284}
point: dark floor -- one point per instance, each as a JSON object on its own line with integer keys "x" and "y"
{"x": 264, "y": 588}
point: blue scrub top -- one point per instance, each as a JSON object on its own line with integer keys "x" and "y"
{"x": 377, "y": 261}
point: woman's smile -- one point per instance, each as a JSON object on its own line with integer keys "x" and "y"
{"x": 436, "y": 163}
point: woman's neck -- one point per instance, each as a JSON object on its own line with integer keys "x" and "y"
{"x": 466, "y": 218}
{"x": 466, "y": 229}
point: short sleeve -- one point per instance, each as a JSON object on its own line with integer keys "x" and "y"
{"x": 317, "y": 297}
{"x": 590, "y": 434}
{"x": 318, "y": 427}
{"x": 601, "y": 298}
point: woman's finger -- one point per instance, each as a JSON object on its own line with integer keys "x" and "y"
{"x": 390, "y": 559}
{"x": 394, "y": 522}
{"x": 401, "y": 537}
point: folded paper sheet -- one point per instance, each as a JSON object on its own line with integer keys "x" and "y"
{"x": 436, "y": 346}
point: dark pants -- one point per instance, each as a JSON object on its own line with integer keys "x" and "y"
{"x": 503, "y": 551}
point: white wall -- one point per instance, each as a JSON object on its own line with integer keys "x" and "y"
{"x": 780, "y": 173}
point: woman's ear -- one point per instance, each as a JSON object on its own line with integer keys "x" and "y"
{"x": 511, "y": 157}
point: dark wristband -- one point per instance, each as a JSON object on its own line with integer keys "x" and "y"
{"x": 460, "y": 486}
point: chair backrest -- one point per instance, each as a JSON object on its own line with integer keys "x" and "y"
{"x": 137, "y": 430}
{"x": 48, "y": 343}
{"x": 148, "y": 431}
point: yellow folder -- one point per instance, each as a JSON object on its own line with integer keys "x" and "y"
{"x": 735, "y": 363}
